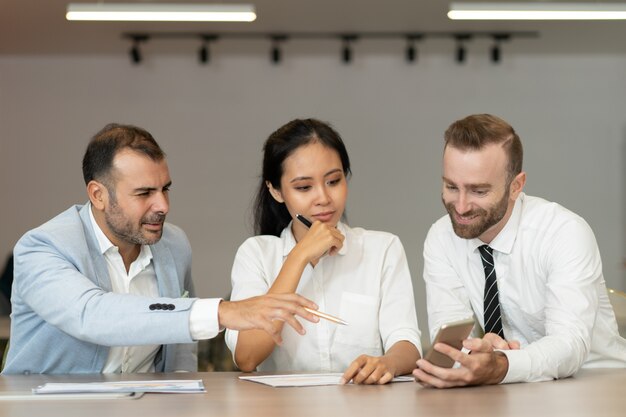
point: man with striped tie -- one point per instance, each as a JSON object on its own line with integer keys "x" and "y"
{"x": 529, "y": 270}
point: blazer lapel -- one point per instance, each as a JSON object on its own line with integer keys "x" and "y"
{"x": 101, "y": 271}
{"x": 165, "y": 269}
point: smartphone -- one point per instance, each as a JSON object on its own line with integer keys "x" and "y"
{"x": 451, "y": 334}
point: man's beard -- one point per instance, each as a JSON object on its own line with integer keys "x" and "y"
{"x": 486, "y": 218}
{"x": 123, "y": 228}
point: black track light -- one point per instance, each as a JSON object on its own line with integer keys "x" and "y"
{"x": 276, "y": 55}
{"x": 411, "y": 53}
{"x": 135, "y": 52}
{"x": 461, "y": 52}
{"x": 411, "y": 49}
{"x": 346, "y": 50}
{"x": 204, "y": 53}
{"x": 346, "y": 54}
{"x": 496, "y": 52}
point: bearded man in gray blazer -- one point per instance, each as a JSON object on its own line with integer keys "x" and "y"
{"x": 106, "y": 286}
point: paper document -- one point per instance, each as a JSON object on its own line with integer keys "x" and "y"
{"x": 164, "y": 386}
{"x": 81, "y": 396}
{"x": 306, "y": 380}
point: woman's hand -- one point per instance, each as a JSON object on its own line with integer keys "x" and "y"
{"x": 320, "y": 239}
{"x": 370, "y": 370}
{"x": 398, "y": 360}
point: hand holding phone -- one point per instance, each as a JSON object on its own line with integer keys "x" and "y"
{"x": 451, "y": 334}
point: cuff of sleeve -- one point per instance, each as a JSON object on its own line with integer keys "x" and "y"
{"x": 412, "y": 339}
{"x": 519, "y": 366}
{"x": 231, "y": 337}
{"x": 203, "y": 319}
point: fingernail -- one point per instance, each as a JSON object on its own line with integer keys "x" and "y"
{"x": 342, "y": 381}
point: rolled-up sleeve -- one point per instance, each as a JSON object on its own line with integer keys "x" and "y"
{"x": 398, "y": 320}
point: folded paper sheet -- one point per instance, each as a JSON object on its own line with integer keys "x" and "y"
{"x": 305, "y": 380}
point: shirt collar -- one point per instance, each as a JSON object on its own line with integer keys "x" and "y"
{"x": 504, "y": 240}
{"x": 145, "y": 254}
{"x": 289, "y": 240}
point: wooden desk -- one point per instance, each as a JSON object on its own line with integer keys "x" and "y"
{"x": 592, "y": 392}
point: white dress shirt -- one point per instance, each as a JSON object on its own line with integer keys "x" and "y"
{"x": 552, "y": 292}
{"x": 367, "y": 283}
{"x": 141, "y": 280}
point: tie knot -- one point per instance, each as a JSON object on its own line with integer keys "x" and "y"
{"x": 486, "y": 249}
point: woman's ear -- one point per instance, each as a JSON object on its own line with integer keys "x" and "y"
{"x": 278, "y": 196}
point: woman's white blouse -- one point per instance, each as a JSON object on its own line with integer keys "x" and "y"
{"x": 367, "y": 283}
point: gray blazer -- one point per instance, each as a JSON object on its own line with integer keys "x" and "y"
{"x": 65, "y": 315}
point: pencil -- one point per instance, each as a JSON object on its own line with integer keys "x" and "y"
{"x": 326, "y": 316}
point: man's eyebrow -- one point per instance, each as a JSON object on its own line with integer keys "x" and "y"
{"x": 472, "y": 186}
{"x": 147, "y": 189}
{"x": 483, "y": 185}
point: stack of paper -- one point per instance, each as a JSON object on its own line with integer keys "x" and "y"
{"x": 164, "y": 386}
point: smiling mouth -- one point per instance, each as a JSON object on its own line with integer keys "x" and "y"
{"x": 465, "y": 219}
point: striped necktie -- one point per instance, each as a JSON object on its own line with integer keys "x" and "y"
{"x": 493, "y": 319}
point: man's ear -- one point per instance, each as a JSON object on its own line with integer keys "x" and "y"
{"x": 278, "y": 196}
{"x": 517, "y": 185}
{"x": 98, "y": 194}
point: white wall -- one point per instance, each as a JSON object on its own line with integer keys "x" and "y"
{"x": 212, "y": 122}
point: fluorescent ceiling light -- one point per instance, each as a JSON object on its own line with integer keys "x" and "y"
{"x": 161, "y": 12}
{"x": 537, "y": 11}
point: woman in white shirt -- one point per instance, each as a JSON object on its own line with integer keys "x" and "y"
{"x": 358, "y": 275}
